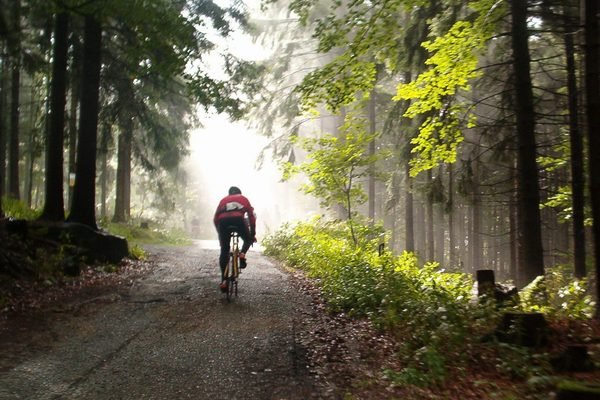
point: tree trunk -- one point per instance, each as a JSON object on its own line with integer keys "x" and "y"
{"x": 439, "y": 225}
{"x": 29, "y": 160}
{"x": 513, "y": 211}
{"x": 123, "y": 189}
{"x": 452, "y": 258}
{"x": 461, "y": 232}
{"x": 54, "y": 207}
{"x": 13, "y": 148}
{"x": 577, "y": 177}
{"x": 475, "y": 246}
{"x": 105, "y": 137}
{"x": 592, "y": 84}
{"x": 529, "y": 235}
{"x": 74, "y": 101}
{"x": 83, "y": 207}
{"x": 409, "y": 213}
{"x": 372, "y": 128}
{"x": 419, "y": 229}
{"x": 429, "y": 234}
{"x": 3, "y": 130}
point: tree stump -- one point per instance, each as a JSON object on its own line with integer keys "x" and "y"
{"x": 488, "y": 288}
{"x": 574, "y": 358}
{"x": 571, "y": 390}
{"x": 99, "y": 246}
{"x": 485, "y": 282}
{"x": 523, "y": 329}
{"x": 94, "y": 244}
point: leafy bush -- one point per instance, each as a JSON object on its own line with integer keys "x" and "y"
{"x": 136, "y": 252}
{"x": 558, "y": 294}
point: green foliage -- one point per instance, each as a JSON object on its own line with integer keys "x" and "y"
{"x": 562, "y": 202}
{"x": 428, "y": 368}
{"x": 453, "y": 65}
{"x": 335, "y": 166}
{"x": 558, "y": 294}
{"x": 18, "y": 210}
{"x": 519, "y": 362}
{"x": 429, "y": 306}
{"x": 365, "y": 35}
{"x": 137, "y": 253}
{"x": 337, "y": 83}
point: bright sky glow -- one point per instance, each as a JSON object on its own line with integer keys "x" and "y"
{"x": 224, "y": 154}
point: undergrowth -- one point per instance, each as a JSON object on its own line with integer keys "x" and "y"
{"x": 137, "y": 235}
{"x": 431, "y": 312}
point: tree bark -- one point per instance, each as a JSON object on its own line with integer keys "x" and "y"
{"x": 13, "y": 148}
{"x": 3, "y": 130}
{"x": 592, "y": 95}
{"x": 577, "y": 177}
{"x": 372, "y": 127}
{"x": 513, "y": 211}
{"x": 83, "y": 207}
{"x": 123, "y": 189}
{"x": 409, "y": 226}
{"x": 475, "y": 246}
{"x": 439, "y": 216}
{"x": 54, "y": 207}
{"x": 105, "y": 138}
{"x": 429, "y": 234}
{"x": 529, "y": 236}
{"x": 452, "y": 256}
{"x": 74, "y": 101}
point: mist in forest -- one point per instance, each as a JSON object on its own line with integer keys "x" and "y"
{"x": 224, "y": 154}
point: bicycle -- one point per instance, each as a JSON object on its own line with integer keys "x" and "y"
{"x": 232, "y": 269}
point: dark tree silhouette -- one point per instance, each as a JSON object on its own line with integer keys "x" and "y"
{"x": 54, "y": 203}
{"x": 123, "y": 183}
{"x": 592, "y": 82}
{"x": 13, "y": 147}
{"x": 576, "y": 142}
{"x": 531, "y": 262}
{"x": 83, "y": 207}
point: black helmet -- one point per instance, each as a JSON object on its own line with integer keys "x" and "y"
{"x": 234, "y": 190}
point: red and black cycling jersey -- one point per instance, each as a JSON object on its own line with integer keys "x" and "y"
{"x": 235, "y": 206}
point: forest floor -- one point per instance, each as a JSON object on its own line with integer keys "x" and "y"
{"x": 159, "y": 329}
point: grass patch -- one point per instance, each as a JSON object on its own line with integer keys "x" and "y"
{"x": 137, "y": 235}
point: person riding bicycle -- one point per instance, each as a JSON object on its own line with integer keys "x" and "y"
{"x": 234, "y": 214}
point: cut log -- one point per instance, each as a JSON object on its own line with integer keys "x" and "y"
{"x": 575, "y": 358}
{"x": 485, "y": 282}
{"x": 523, "y": 329}
{"x": 488, "y": 288}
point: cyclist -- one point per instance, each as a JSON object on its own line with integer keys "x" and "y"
{"x": 234, "y": 214}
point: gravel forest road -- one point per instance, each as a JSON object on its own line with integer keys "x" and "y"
{"x": 168, "y": 335}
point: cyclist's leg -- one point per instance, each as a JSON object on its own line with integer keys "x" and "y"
{"x": 244, "y": 233}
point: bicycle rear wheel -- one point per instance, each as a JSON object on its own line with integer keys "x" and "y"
{"x": 231, "y": 277}
{"x": 231, "y": 288}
